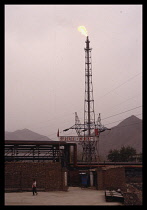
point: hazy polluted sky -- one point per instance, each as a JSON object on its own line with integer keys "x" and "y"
{"x": 45, "y": 65}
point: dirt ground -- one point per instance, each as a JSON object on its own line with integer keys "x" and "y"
{"x": 74, "y": 196}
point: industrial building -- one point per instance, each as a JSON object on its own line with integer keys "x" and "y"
{"x": 54, "y": 165}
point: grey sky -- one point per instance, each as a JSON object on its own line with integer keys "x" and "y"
{"x": 45, "y": 64}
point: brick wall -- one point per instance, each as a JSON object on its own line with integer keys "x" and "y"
{"x": 111, "y": 178}
{"x": 49, "y": 176}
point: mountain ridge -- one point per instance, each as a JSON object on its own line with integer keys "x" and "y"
{"x": 25, "y": 134}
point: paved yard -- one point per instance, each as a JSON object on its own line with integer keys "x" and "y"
{"x": 74, "y": 196}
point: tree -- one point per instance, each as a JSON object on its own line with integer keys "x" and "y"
{"x": 114, "y": 155}
{"x": 125, "y": 154}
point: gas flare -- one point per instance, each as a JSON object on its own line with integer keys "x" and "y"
{"x": 83, "y": 30}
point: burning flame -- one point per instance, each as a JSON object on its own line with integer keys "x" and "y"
{"x": 83, "y": 30}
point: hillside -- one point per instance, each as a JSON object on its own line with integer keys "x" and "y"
{"x": 126, "y": 133}
{"x": 25, "y": 134}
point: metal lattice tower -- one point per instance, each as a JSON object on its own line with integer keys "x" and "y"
{"x": 89, "y": 115}
{"x": 78, "y": 127}
{"x": 89, "y": 148}
{"x": 89, "y": 128}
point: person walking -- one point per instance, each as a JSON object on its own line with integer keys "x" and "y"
{"x": 34, "y": 188}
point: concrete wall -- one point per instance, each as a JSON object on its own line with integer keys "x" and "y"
{"x": 49, "y": 176}
{"x": 111, "y": 178}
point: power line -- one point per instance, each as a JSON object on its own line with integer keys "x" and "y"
{"x": 81, "y": 109}
{"x": 124, "y": 101}
{"x": 120, "y": 120}
{"x": 127, "y": 125}
{"x": 105, "y": 124}
{"x": 117, "y": 127}
{"x": 102, "y": 119}
{"x": 122, "y": 112}
{"x": 120, "y": 85}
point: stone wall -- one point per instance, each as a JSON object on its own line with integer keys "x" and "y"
{"x": 49, "y": 176}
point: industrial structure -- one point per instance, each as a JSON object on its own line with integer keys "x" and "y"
{"x": 40, "y": 151}
{"x": 55, "y": 167}
{"x": 89, "y": 131}
{"x": 54, "y": 163}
